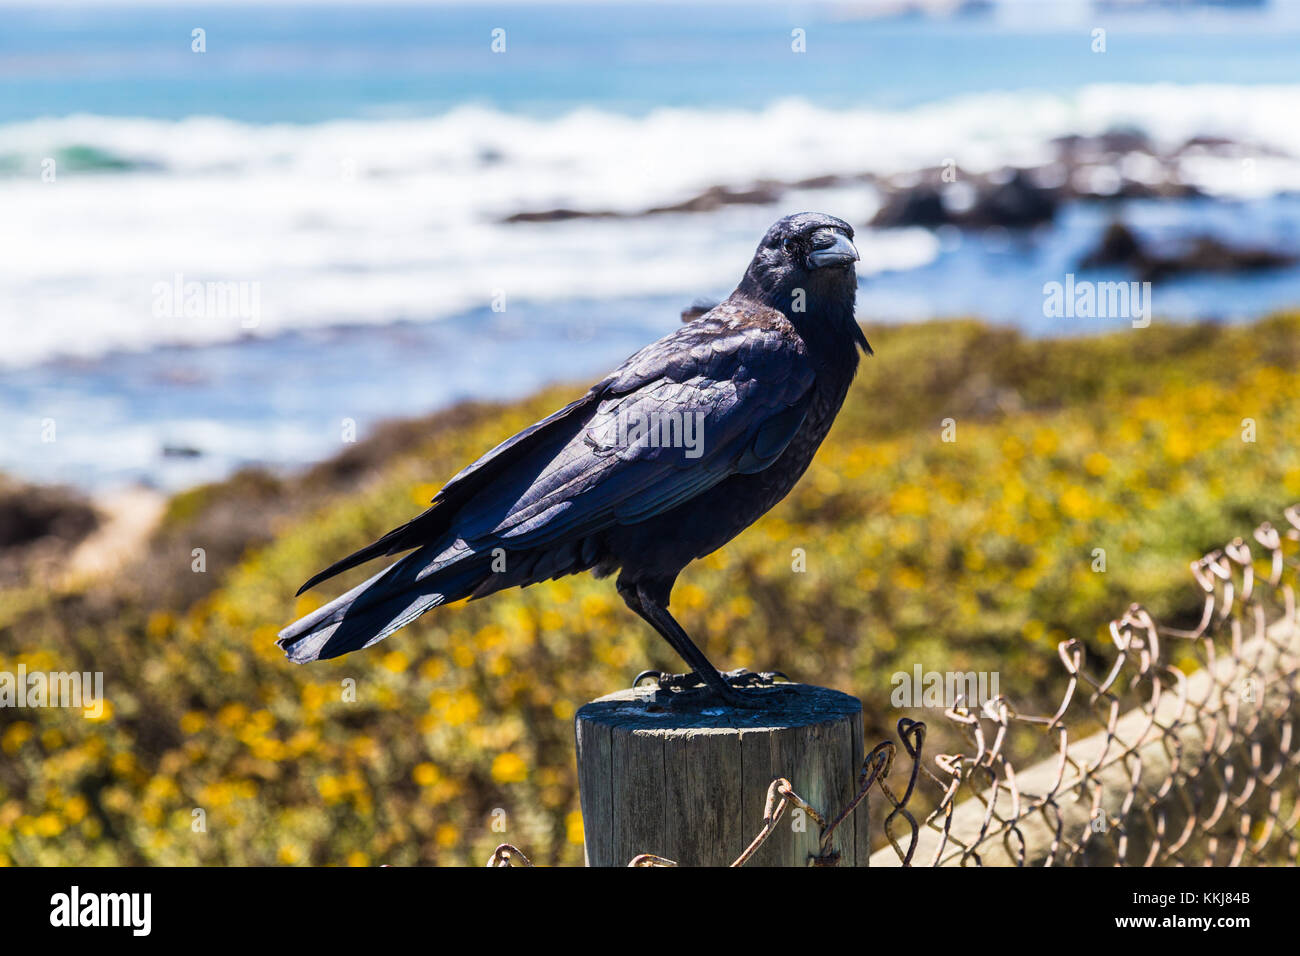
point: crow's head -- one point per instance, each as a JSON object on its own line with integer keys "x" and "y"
{"x": 804, "y": 267}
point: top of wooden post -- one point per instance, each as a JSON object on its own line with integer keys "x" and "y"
{"x": 783, "y": 706}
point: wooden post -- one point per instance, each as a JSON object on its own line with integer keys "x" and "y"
{"x": 679, "y": 775}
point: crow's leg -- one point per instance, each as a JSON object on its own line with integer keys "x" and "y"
{"x": 657, "y": 616}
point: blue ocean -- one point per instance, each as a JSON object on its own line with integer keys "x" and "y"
{"x": 337, "y": 182}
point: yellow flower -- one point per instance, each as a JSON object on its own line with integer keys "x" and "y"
{"x": 690, "y": 596}
{"x": 17, "y": 734}
{"x": 509, "y": 768}
{"x": 909, "y": 578}
{"x": 910, "y": 500}
{"x": 330, "y": 788}
{"x": 159, "y": 624}
{"x": 464, "y": 708}
{"x": 76, "y": 809}
{"x": 1096, "y": 464}
{"x": 232, "y": 715}
{"x": 313, "y": 696}
{"x": 423, "y": 494}
{"x": 304, "y": 604}
{"x": 1045, "y": 442}
{"x": 105, "y": 714}
{"x": 193, "y": 721}
{"x": 123, "y": 763}
{"x": 1180, "y": 446}
{"x": 1076, "y": 503}
{"x": 563, "y": 709}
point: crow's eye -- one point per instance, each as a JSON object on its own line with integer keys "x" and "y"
{"x": 789, "y": 245}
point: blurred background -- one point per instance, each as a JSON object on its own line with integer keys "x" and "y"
{"x": 374, "y": 175}
{"x": 405, "y": 221}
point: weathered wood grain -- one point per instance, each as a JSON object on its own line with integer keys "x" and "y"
{"x": 683, "y": 777}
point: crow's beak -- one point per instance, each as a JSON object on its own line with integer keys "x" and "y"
{"x": 831, "y": 248}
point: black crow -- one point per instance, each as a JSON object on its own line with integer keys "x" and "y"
{"x": 665, "y": 460}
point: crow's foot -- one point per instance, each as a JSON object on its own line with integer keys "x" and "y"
{"x": 742, "y": 677}
{"x": 747, "y": 678}
{"x": 727, "y": 691}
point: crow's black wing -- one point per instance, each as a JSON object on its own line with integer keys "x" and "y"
{"x": 434, "y": 522}
{"x": 573, "y": 473}
{"x": 747, "y": 388}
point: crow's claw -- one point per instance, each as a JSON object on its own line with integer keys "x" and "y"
{"x": 679, "y": 681}
{"x": 668, "y": 681}
{"x": 741, "y": 677}
{"x": 657, "y": 676}
{"x": 748, "y": 678}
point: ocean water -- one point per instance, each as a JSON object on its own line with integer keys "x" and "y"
{"x": 342, "y": 173}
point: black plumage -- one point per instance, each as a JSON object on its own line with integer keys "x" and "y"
{"x": 767, "y": 369}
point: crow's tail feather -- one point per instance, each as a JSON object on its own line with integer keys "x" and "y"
{"x": 376, "y": 608}
{"x": 421, "y": 530}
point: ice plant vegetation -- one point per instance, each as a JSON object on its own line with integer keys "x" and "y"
{"x": 968, "y": 555}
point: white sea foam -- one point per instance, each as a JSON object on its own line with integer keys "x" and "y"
{"x": 373, "y": 221}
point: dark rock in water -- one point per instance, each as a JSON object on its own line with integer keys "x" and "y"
{"x": 1018, "y": 203}
{"x": 1132, "y": 189}
{"x": 1116, "y": 165}
{"x": 556, "y": 215}
{"x": 1207, "y": 142}
{"x": 697, "y": 308}
{"x": 828, "y": 181}
{"x": 713, "y": 198}
{"x": 1207, "y": 254}
{"x": 181, "y": 451}
{"x": 1115, "y": 141}
{"x": 1107, "y": 151}
{"x": 1223, "y": 146}
{"x": 918, "y": 206}
{"x": 718, "y": 196}
{"x": 1119, "y": 246}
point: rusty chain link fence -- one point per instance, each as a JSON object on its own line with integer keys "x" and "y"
{"x": 1182, "y": 750}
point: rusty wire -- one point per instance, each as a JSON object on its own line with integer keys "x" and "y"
{"x": 505, "y": 854}
{"x": 1152, "y": 763}
{"x": 1179, "y": 750}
